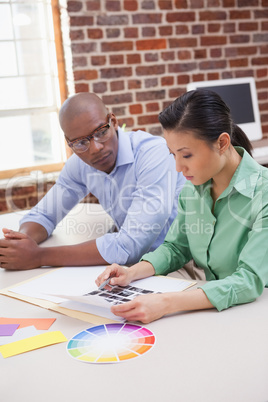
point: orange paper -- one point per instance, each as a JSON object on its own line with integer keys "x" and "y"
{"x": 39, "y": 323}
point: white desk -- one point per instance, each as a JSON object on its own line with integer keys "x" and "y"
{"x": 84, "y": 222}
{"x": 201, "y": 356}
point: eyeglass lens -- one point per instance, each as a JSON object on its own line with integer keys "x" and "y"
{"x": 100, "y": 135}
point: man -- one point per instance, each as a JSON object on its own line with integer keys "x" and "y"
{"x": 132, "y": 175}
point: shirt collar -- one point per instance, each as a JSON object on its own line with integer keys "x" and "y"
{"x": 125, "y": 152}
{"x": 245, "y": 177}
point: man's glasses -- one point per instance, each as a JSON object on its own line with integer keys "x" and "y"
{"x": 101, "y": 134}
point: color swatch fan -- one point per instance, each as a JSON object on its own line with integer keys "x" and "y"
{"x": 111, "y": 343}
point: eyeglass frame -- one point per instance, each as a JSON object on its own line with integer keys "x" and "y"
{"x": 91, "y": 136}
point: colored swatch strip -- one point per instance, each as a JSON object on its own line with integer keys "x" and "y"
{"x": 8, "y": 329}
{"x": 32, "y": 343}
{"x": 39, "y": 323}
{"x": 111, "y": 343}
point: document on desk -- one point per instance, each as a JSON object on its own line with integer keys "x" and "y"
{"x": 68, "y": 280}
{"x": 74, "y": 288}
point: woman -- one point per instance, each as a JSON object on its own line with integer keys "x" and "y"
{"x": 222, "y": 220}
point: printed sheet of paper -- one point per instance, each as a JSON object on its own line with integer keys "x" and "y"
{"x": 98, "y": 302}
{"x": 90, "y": 309}
{"x": 105, "y": 298}
{"x": 119, "y": 294}
{"x": 71, "y": 281}
{"x": 77, "y": 284}
{"x": 39, "y": 323}
{"x": 35, "y": 342}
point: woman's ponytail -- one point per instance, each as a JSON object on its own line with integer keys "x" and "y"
{"x": 240, "y": 139}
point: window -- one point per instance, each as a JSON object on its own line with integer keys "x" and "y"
{"x": 30, "y": 135}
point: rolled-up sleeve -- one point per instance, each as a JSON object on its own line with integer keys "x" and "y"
{"x": 60, "y": 199}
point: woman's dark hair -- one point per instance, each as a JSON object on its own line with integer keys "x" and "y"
{"x": 206, "y": 114}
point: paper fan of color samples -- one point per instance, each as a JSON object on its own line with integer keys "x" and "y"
{"x": 111, "y": 343}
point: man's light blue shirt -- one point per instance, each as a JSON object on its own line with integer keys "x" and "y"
{"x": 140, "y": 194}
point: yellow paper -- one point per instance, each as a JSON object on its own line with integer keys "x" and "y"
{"x": 34, "y": 342}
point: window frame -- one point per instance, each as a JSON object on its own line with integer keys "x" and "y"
{"x": 62, "y": 80}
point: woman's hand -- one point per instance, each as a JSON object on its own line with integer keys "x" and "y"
{"x": 151, "y": 307}
{"x": 143, "y": 308}
{"x": 123, "y": 276}
{"x": 119, "y": 276}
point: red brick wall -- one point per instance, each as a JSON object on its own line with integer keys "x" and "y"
{"x": 139, "y": 55}
{"x": 24, "y": 193}
{"x": 19, "y": 193}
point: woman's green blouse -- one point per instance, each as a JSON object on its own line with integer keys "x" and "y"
{"x": 229, "y": 239}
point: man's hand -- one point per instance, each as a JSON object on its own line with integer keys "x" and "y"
{"x": 18, "y": 251}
